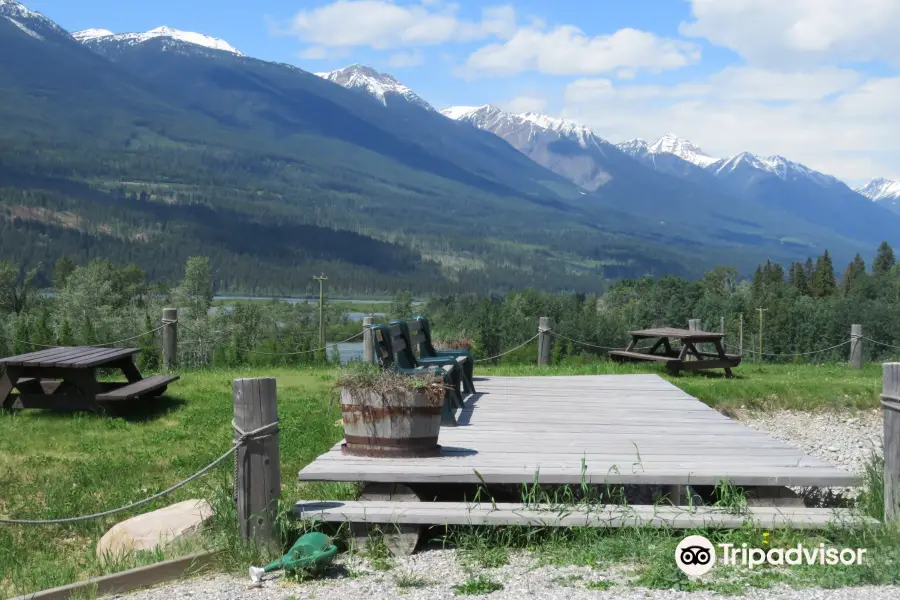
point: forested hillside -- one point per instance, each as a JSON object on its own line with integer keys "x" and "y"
{"x": 165, "y": 150}
{"x": 807, "y": 306}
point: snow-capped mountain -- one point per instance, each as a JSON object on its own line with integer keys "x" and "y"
{"x": 491, "y": 118}
{"x": 566, "y": 148}
{"x": 689, "y": 152}
{"x": 381, "y": 86}
{"x": 776, "y": 165}
{"x": 880, "y": 189}
{"x": 683, "y": 149}
{"x": 883, "y": 191}
{"x": 95, "y": 37}
{"x": 30, "y": 22}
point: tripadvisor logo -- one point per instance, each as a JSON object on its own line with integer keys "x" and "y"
{"x": 695, "y": 555}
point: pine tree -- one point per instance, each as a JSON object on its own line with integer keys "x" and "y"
{"x": 88, "y": 334}
{"x": 798, "y": 279}
{"x": 884, "y": 260}
{"x": 809, "y": 270}
{"x": 66, "y": 336}
{"x": 62, "y": 270}
{"x": 823, "y": 281}
{"x": 855, "y": 270}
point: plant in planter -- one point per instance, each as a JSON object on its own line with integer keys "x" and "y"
{"x": 390, "y": 414}
{"x": 459, "y": 341}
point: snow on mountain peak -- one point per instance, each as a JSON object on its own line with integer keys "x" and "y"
{"x": 189, "y": 37}
{"x": 91, "y": 34}
{"x": 22, "y": 17}
{"x": 492, "y": 118}
{"x": 376, "y": 84}
{"x": 562, "y": 126}
{"x": 683, "y": 149}
{"x": 459, "y": 112}
{"x": 881, "y": 189}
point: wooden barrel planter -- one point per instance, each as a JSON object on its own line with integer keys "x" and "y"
{"x": 399, "y": 423}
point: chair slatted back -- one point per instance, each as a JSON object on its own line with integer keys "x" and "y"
{"x": 384, "y": 350}
{"x": 426, "y": 348}
{"x": 402, "y": 345}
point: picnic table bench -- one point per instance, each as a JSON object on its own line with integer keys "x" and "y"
{"x": 687, "y": 358}
{"x": 65, "y": 378}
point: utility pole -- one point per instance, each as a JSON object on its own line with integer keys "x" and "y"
{"x": 761, "y": 311}
{"x": 741, "y": 336}
{"x": 321, "y": 279}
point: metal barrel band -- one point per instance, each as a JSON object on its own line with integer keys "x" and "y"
{"x": 416, "y": 442}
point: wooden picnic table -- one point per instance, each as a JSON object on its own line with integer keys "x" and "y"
{"x": 65, "y": 378}
{"x": 688, "y": 357}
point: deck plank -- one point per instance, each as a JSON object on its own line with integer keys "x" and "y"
{"x": 613, "y": 516}
{"x": 613, "y": 429}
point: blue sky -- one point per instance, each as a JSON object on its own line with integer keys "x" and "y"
{"x": 813, "y": 80}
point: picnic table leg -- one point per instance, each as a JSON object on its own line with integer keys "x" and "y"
{"x": 632, "y": 344}
{"x": 721, "y": 352}
{"x": 7, "y": 383}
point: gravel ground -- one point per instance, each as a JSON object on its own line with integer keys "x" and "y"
{"x": 844, "y": 440}
{"x": 520, "y": 580}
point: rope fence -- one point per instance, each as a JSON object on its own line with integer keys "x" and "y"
{"x": 243, "y": 438}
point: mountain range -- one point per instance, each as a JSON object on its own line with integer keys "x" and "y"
{"x": 150, "y": 147}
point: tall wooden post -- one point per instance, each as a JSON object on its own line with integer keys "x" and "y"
{"x": 258, "y": 477}
{"x": 741, "y": 336}
{"x": 856, "y": 346}
{"x": 693, "y": 325}
{"x": 321, "y": 279}
{"x": 170, "y": 338}
{"x": 368, "y": 341}
{"x": 545, "y": 341}
{"x": 890, "y": 402}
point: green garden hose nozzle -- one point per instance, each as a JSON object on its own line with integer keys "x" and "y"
{"x": 312, "y": 552}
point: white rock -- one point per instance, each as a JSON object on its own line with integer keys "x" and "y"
{"x": 153, "y": 529}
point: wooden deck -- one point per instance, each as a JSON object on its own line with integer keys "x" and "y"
{"x": 629, "y": 429}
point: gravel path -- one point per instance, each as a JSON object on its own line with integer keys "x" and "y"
{"x": 842, "y": 439}
{"x": 441, "y": 572}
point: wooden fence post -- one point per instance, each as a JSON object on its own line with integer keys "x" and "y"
{"x": 693, "y": 325}
{"x": 170, "y": 338}
{"x": 368, "y": 341}
{"x": 856, "y": 346}
{"x": 545, "y": 341}
{"x": 890, "y": 402}
{"x": 258, "y": 477}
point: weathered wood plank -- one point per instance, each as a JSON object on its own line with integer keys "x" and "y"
{"x": 138, "y": 388}
{"x": 612, "y": 516}
{"x": 626, "y": 429}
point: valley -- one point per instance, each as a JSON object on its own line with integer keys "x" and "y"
{"x": 153, "y": 147}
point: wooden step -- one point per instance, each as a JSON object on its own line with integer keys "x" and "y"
{"x": 154, "y": 383}
{"x": 545, "y": 515}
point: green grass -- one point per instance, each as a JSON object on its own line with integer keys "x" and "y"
{"x": 412, "y": 581}
{"x": 755, "y": 387}
{"x": 56, "y": 465}
{"x": 477, "y": 586}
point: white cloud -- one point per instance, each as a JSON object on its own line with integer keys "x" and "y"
{"x": 566, "y": 50}
{"x": 776, "y": 33}
{"x": 400, "y": 60}
{"x": 382, "y": 24}
{"x": 828, "y": 119}
{"x": 525, "y": 103}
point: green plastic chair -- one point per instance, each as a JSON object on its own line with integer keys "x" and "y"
{"x": 427, "y": 349}
{"x": 385, "y": 354}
